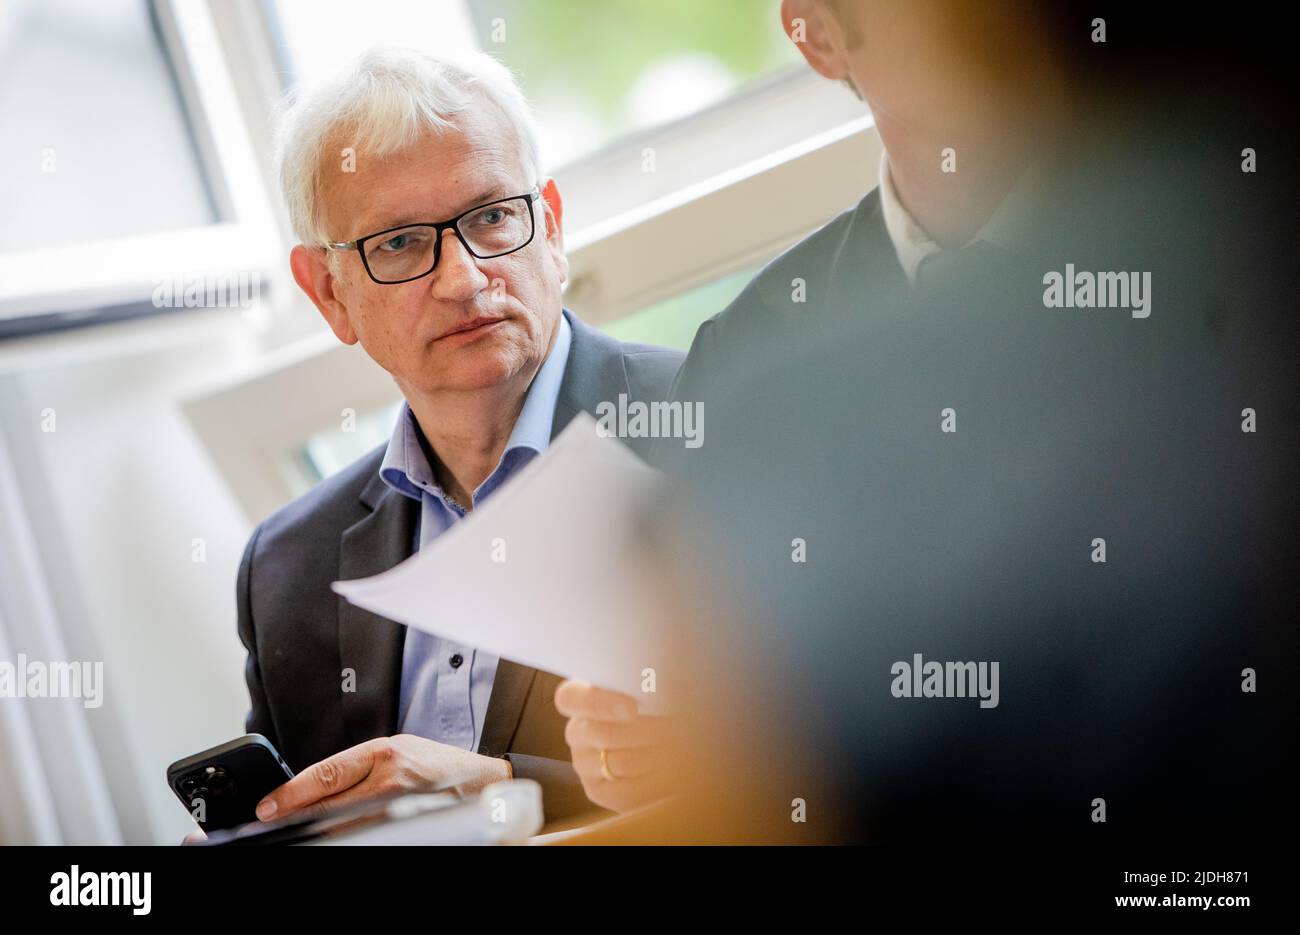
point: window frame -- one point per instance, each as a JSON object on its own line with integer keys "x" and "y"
{"x": 111, "y": 280}
{"x": 800, "y": 133}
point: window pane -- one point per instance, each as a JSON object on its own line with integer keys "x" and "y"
{"x": 673, "y": 322}
{"x": 598, "y": 71}
{"x": 96, "y": 143}
{"x": 328, "y": 452}
{"x": 593, "y": 71}
{"x": 319, "y": 36}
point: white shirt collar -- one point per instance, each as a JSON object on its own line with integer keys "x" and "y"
{"x": 1009, "y": 227}
{"x": 911, "y": 244}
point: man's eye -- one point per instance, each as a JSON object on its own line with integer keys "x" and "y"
{"x": 395, "y": 243}
{"x": 492, "y": 216}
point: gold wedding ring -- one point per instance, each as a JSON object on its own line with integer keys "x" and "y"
{"x": 604, "y": 766}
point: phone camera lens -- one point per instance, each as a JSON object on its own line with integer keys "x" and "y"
{"x": 221, "y": 782}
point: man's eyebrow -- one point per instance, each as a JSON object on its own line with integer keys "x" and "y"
{"x": 491, "y": 194}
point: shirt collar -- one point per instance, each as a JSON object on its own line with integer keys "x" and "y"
{"x": 406, "y": 469}
{"x": 1011, "y": 226}
{"x": 911, "y": 244}
{"x": 533, "y": 427}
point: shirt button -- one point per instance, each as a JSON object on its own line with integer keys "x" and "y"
{"x": 456, "y": 660}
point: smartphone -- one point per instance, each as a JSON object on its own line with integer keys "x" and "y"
{"x": 221, "y": 787}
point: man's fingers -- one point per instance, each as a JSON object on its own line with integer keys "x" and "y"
{"x": 644, "y": 731}
{"x": 578, "y": 699}
{"x": 367, "y": 788}
{"x": 321, "y": 780}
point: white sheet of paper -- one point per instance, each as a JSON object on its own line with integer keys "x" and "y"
{"x": 545, "y": 573}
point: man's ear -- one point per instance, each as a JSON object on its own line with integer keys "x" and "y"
{"x": 553, "y": 212}
{"x": 312, "y": 273}
{"x": 818, "y": 36}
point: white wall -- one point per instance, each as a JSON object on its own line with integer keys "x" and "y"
{"x": 119, "y": 491}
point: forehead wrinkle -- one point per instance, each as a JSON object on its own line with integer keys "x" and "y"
{"x": 489, "y": 164}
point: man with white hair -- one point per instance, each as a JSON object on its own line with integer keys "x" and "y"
{"x": 430, "y": 238}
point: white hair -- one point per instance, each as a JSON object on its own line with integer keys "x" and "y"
{"x": 383, "y": 102}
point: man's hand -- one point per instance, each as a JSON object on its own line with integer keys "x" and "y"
{"x": 635, "y": 746}
{"x": 379, "y": 766}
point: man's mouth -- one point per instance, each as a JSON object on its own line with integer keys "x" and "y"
{"x": 471, "y": 326}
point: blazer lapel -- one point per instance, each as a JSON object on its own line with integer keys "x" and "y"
{"x": 594, "y": 373}
{"x": 505, "y": 706}
{"x": 370, "y": 645}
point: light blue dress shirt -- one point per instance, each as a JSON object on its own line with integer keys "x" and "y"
{"x": 446, "y": 686}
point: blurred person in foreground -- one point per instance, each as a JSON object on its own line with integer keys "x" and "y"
{"x": 1001, "y": 520}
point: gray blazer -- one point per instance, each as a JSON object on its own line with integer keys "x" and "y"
{"x": 300, "y": 636}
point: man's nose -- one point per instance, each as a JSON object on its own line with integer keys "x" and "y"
{"x": 457, "y": 277}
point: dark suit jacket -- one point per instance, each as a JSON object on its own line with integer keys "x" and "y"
{"x": 848, "y": 272}
{"x": 1121, "y": 680}
{"x": 847, "y": 269}
{"x": 300, "y": 636}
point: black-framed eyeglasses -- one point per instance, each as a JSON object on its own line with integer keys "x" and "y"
{"x": 412, "y": 251}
